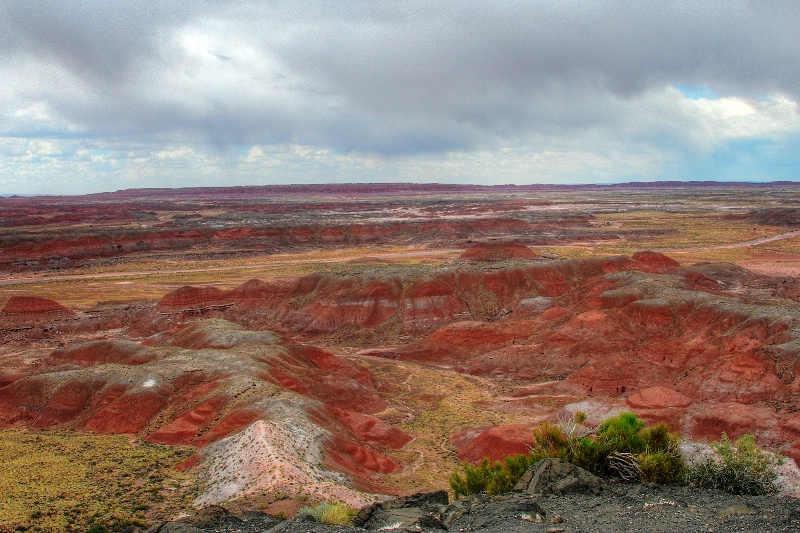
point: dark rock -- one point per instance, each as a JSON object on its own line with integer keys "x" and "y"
{"x": 423, "y": 510}
{"x": 405, "y": 519}
{"x": 516, "y": 504}
{"x": 551, "y": 476}
{"x": 793, "y": 520}
{"x": 422, "y": 500}
{"x": 210, "y": 515}
{"x": 174, "y": 527}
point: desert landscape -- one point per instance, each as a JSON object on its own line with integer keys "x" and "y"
{"x": 271, "y": 346}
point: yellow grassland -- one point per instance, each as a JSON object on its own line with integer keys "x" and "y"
{"x": 64, "y": 481}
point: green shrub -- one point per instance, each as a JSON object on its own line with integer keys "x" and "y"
{"x": 518, "y": 464}
{"x": 622, "y": 446}
{"x": 489, "y": 477}
{"x": 739, "y": 468}
{"x": 331, "y": 513}
{"x": 621, "y": 434}
{"x": 662, "y": 461}
{"x": 549, "y": 440}
{"x": 661, "y": 467}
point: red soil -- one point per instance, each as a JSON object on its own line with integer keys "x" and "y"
{"x": 189, "y": 427}
{"x": 102, "y": 352}
{"x": 230, "y": 424}
{"x": 348, "y": 456}
{"x": 497, "y": 251}
{"x": 495, "y": 443}
{"x": 52, "y": 247}
{"x": 129, "y": 413}
{"x": 656, "y": 262}
{"x": 707, "y": 349}
{"x": 33, "y": 305}
{"x": 66, "y": 404}
{"x": 372, "y": 430}
{"x": 658, "y": 398}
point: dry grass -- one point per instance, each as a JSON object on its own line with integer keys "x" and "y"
{"x": 60, "y": 481}
{"x": 686, "y": 230}
{"x": 430, "y": 405}
{"x": 150, "y": 279}
{"x": 336, "y": 513}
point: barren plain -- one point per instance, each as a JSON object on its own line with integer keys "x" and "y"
{"x": 311, "y": 343}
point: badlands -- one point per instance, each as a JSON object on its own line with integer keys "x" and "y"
{"x": 313, "y": 343}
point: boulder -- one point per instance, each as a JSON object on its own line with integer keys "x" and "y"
{"x": 551, "y": 476}
{"x": 423, "y": 510}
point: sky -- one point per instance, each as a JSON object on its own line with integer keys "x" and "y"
{"x": 101, "y": 95}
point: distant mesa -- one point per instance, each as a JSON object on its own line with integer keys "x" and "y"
{"x": 498, "y": 251}
{"x": 33, "y": 305}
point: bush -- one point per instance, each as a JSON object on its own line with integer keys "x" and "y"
{"x": 661, "y": 467}
{"x": 622, "y": 446}
{"x": 549, "y": 440}
{"x": 335, "y": 513}
{"x": 621, "y": 434}
{"x": 739, "y": 468}
{"x": 489, "y": 477}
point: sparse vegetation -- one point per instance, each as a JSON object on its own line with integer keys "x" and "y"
{"x": 331, "y": 513}
{"x": 740, "y": 467}
{"x": 622, "y": 446}
{"x": 489, "y": 477}
{"x": 61, "y": 481}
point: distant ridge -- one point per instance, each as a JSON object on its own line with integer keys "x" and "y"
{"x": 392, "y": 189}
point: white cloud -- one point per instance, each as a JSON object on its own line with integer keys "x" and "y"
{"x": 253, "y": 92}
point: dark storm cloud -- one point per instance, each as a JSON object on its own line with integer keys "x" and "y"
{"x": 96, "y": 38}
{"x": 481, "y": 60}
{"x": 390, "y": 77}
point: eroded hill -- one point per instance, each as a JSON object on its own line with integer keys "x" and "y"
{"x": 378, "y": 368}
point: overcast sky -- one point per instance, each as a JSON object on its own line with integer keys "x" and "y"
{"x": 100, "y": 95}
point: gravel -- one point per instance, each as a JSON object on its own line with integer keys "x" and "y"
{"x": 621, "y": 507}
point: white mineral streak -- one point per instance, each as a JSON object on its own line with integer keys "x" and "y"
{"x": 270, "y": 457}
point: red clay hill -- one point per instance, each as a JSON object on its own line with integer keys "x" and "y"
{"x": 708, "y": 348}
{"x": 640, "y": 332}
{"x": 205, "y": 381}
{"x": 33, "y": 306}
{"x": 497, "y": 251}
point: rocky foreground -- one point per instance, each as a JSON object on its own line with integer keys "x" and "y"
{"x": 552, "y": 497}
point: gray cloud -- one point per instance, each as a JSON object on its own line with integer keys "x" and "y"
{"x": 100, "y": 39}
{"x": 382, "y": 76}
